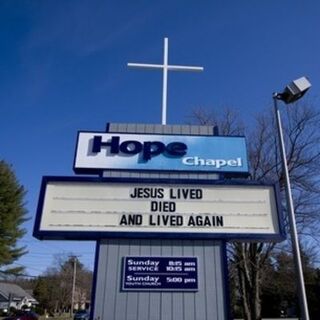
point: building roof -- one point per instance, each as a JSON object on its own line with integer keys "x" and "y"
{"x": 17, "y": 292}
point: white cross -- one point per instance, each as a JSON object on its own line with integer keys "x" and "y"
{"x": 166, "y": 67}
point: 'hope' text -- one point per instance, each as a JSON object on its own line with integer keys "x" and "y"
{"x": 148, "y": 149}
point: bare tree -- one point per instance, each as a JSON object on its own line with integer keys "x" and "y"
{"x": 227, "y": 121}
{"x": 55, "y": 286}
{"x": 302, "y": 136}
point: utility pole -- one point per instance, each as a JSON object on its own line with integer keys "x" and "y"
{"x": 75, "y": 259}
{"x": 9, "y": 303}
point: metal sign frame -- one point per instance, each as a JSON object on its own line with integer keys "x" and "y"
{"x": 95, "y": 235}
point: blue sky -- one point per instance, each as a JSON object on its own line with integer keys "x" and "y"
{"x": 63, "y": 69}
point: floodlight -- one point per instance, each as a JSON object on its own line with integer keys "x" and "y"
{"x": 294, "y": 90}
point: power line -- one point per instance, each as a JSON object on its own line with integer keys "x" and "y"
{"x": 17, "y": 274}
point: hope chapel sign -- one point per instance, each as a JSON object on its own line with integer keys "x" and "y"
{"x": 157, "y": 211}
{"x": 166, "y": 229}
{"x": 98, "y": 151}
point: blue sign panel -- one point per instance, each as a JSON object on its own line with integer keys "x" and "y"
{"x": 104, "y": 151}
{"x": 160, "y": 274}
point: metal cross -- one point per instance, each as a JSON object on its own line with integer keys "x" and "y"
{"x": 166, "y": 67}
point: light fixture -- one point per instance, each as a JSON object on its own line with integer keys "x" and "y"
{"x": 294, "y": 90}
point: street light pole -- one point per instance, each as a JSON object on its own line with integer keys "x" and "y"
{"x": 291, "y": 215}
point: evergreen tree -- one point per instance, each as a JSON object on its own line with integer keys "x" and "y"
{"x": 12, "y": 215}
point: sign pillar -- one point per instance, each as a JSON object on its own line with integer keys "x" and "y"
{"x": 210, "y": 301}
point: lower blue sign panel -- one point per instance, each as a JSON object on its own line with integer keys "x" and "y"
{"x": 160, "y": 274}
